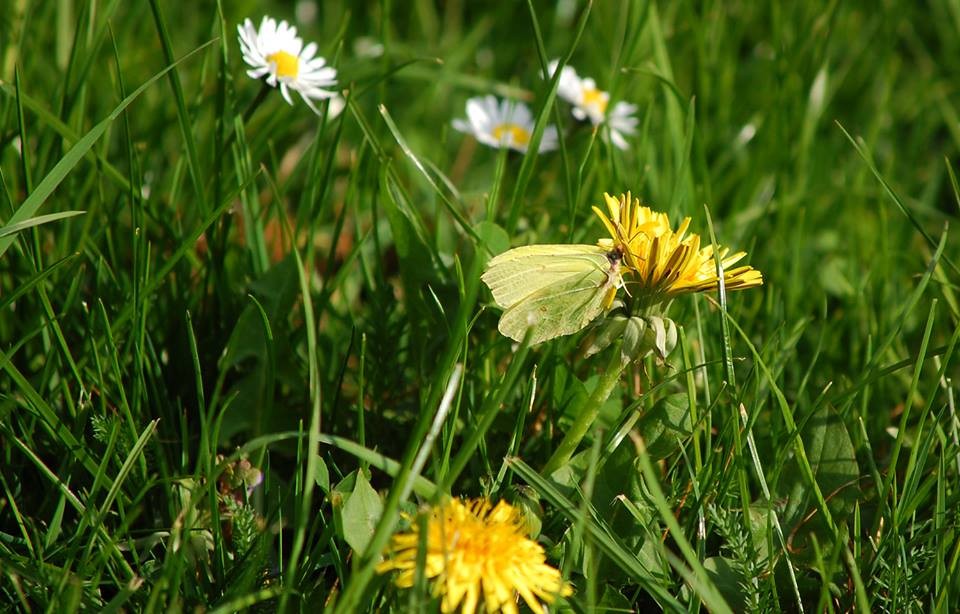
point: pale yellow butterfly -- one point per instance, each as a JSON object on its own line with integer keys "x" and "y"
{"x": 554, "y": 289}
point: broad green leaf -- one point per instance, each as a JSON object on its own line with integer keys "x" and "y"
{"x": 493, "y": 236}
{"x": 361, "y": 512}
{"x": 834, "y": 464}
{"x": 728, "y": 580}
{"x": 322, "y": 476}
{"x": 252, "y": 348}
{"x": 666, "y": 425}
{"x": 276, "y": 291}
{"x": 615, "y": 497}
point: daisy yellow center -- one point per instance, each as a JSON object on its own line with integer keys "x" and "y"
{"x": 592, "y": 97}
{"x": 518, "y": 135}
{"x": 287, "y": 64}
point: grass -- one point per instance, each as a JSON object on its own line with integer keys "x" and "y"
{"x": 249, "y": 285}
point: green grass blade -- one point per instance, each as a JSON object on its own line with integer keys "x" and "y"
{"x": 66, "y": 164}
{"x": 12, "y": 229}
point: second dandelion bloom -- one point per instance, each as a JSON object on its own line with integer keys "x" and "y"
{"x": 275, "y": 52}
{"x": 476, "y": 553}
{"x": 504, "y": 123}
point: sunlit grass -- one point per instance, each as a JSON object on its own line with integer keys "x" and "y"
{"x": 264, "y": 344}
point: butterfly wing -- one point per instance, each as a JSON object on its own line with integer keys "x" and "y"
{"x": 555, "y": 289}
{"x": 520, "y": 272}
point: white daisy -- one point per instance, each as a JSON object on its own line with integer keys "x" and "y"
{"x": 591, "y": 103}
{"x": 504, "y": 123}
{"x": 275, "y": 51}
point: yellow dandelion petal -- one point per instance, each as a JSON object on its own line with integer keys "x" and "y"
{"x": 630, "y": 225}
{"x": 608, "y": 225}
{"x": 660, "y": 263}
{"x": 477, "y": 552}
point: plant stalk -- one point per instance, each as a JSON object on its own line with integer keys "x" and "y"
{"x": 588, "y": 413}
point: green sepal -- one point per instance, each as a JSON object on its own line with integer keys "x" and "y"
{"x": 609, "y": 330}
{"x": 661, "y": 336}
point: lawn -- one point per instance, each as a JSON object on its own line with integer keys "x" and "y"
{"x": 287, "y": 335}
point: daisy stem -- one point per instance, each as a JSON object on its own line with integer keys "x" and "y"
{"x": 497, "y": 181}
{"x": 588, "y": 413}
{"x": 256, "y": 102}
{"x": 247, "y": 114}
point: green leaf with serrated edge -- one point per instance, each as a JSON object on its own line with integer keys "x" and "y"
{"x": 605, "y": 540}
{"x": 630, "y": 517}
{"x": 526, "y": 500}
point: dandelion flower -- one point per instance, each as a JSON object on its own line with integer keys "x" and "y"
{"x": 590, "y": 102}
{"x": 277, "y": 53}
{"x": 662, "y": 262}
{"x": 504, "y": 123}
{"x": 477, "y": 551}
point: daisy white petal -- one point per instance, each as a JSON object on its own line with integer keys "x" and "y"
{"x": 316, "y": 93}
{"x": 462, "y": 125}
{"x": 478, "y": 113}
{"x": 617, "y": 139}
{"x": 317, "y": 63}
{"x": 569, "y": 85}
{"x": 593, "y": 101}
{"x": 297, "y": 48}
{"x": 309, "y": 103}
{"x": 286, "y": 93}
{"x": 621, "y": 121}
{"x": 520, "y": 114}
{"x": 550, "y": 139}
{"x": 336, "y": 106}
{"x": 268, "y": 28}
{"x": 491, "y": 106}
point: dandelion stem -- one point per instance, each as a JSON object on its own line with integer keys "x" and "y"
{"x": 588, "y": 413}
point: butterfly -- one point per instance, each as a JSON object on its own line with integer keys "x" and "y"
{"x": 555, "y": 290}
